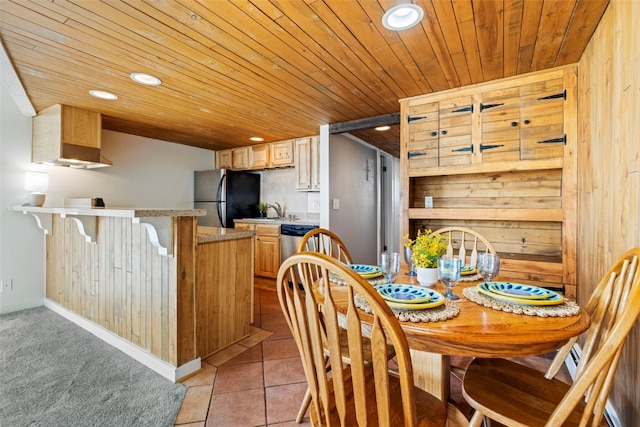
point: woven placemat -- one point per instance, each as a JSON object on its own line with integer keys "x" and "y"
{"x": 566, "y": 309}
{"x": 446, "y": 311}
{"x": 333, "y": 278}
{"x": 471, "y": 278}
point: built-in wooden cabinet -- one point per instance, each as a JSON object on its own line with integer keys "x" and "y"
{"x": 259, "y": 156}
{"x": 267, "y": 248}
{"x": 224, "y": 159}
{"x": 240, "y": 158}
{"x": 263, "y": 156}
{"x": 282, "y": 154}
{"x": 498, "y": 158}
{"x": 307, "y": 153}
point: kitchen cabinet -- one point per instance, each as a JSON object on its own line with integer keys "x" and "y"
{"x": 282, "y": 154}
{"x": 506, "y": 167}
{"x": 307, "y": 154}
{"x": 259, "y": 156}
{"x": 267, "y": 248}
{"x": 224, "y": 159}
{"x": 240, "y": 158}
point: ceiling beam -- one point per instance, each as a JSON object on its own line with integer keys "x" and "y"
{"x": 367, "y": 123}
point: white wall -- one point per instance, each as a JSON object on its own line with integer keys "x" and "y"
{"x": 147, "y": 173}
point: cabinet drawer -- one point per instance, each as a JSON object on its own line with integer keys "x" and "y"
{"x": 268, "y": 229}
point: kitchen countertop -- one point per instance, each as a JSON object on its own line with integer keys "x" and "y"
{"x": 216, "y": 234}
{"x": 279, "y": 221}
{"x": 111, "y": 212}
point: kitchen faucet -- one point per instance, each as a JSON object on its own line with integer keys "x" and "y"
{"x": 276, "y": 207}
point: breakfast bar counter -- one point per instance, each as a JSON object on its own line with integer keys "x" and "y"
{"x": 160, "y": 288}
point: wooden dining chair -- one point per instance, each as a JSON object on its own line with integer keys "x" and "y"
{"x": 513, "y": 394}
{"x": 460, "y": 238}
{"x": 361, "y": 392}
{"x": 325, "y": 241}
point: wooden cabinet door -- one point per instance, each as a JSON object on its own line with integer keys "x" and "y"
{"x": 423, "y": 136}
{"x": 315, "y": 163}
{"x": 224, "y": 159}
{"x": 454, "y": 132}
{"x": 240, "y": 158}
{"x": 303, "y": 163}
{"x": 500, "y": 120}
{"x": 542, "y": 116}
{"x": 259, "y": 156}
{"x": 267, "y": 256}
{"x": 282, "y": 153}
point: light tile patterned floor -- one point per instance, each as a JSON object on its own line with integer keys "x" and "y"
{"x": 257, "y": 382}
{"x": 260, "y": 382}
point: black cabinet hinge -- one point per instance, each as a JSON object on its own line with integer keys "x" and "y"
{"x": 489, "y": 146}
{"x": 414, "y": 118}
{"x": 414, "y": 154}
{"x": 463, "y": 149}
{"x": 464, "y": 109}
{"x": 554, "y": 140}
{"x": 562, "y": 95}
{"x": 487, "y": 106}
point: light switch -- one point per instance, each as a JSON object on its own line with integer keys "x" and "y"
{"x": 428, "y": 202}
{"x": 336, "y": 203}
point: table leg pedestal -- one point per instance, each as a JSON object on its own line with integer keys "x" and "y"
{"x": 431, "y": 373}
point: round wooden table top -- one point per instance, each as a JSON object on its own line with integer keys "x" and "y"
{"x": 480, "y": 331}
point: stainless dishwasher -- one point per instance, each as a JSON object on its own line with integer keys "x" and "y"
{"x": 290, "y": 237}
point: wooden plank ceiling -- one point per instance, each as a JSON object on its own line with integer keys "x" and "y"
{"x": 233, "y": 69}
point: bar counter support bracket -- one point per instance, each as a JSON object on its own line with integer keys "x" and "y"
{"x": 44, "y": 223}
{"x": 159, "y": 230}
{"x": 87, "y": 226}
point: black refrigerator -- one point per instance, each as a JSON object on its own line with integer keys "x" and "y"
{"x": 226, "y": 195}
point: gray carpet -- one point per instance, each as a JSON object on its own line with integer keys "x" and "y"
{"x": 54, "y": 373}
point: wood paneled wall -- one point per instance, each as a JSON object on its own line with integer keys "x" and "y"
{"x": 121, "y": 283}
{"x": 609, "y": 171}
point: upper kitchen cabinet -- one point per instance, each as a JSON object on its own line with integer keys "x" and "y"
{"x": 307, "y": 155}
{"x": 282, "y": 154}
{"x": 499, "y": 158}
{"x": 224, "y": 159}
{"x": 68, "y": 136}
{"x": 259, "y": 156}
{"x": 240, "y": 158}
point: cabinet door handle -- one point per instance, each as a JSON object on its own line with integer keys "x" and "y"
{"x": 563, "y": 139}
{"x": 526, "y": 122}
{"x": 514, "y": 124}
{"x": 463, "y": 149}
{"x": 489, "y": 147}
{"x": 414, "y": 154}
{"x": 444, "y": 132}
{"x": 434, "y": 133}
{"x": 562, "y": 95}
{"x": 487, "y": 106}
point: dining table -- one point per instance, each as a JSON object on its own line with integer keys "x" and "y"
{"x": 476, "y": 331}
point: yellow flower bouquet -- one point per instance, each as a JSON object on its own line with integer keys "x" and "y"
{"x": 425, "y": 249}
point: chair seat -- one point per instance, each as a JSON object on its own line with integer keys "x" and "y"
{"x": 525, "y": 396}
{"x": 430, "y": 411}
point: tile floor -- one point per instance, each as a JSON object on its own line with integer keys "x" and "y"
{"x": 259, "y": 381}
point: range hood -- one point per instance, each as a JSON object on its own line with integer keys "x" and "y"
{"x": 68, "y": 136}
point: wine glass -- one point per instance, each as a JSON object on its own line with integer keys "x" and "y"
{"x": 449, "y": 274}
{"x": 390, "y": 265}
{"x": 488, "y": 265}
{"x": 407, "y": 258}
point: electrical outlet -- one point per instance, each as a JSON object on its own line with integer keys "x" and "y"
{"x": 428, "y": 202}
{"x": 336, "y": 203}
{"x": 6, "y": 285}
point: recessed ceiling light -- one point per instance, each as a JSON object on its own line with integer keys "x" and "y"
{"x": 145, "y": 79}
{"x": 382, "y": 128}
{"x": 402, "y": 17}
{"x": 103, "y": 95}
{"x": 256, "y": 139}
